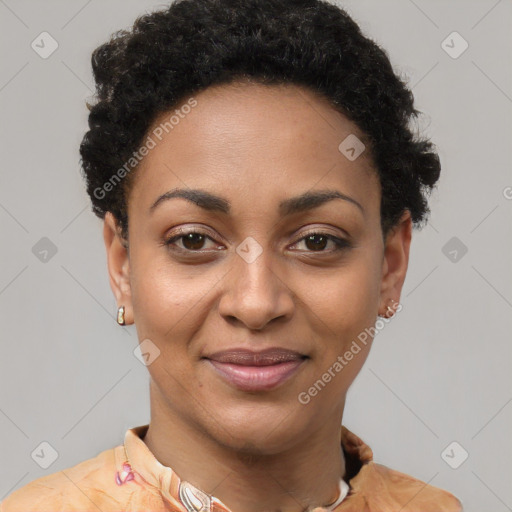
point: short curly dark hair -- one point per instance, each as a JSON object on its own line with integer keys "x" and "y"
{"x": 170, "y": 54}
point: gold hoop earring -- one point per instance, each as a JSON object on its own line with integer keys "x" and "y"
{"x": 120, "y": 316}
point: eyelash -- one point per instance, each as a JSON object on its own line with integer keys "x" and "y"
{"x": 340, "y": 243}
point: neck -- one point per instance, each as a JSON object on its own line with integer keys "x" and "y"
{"x": 307, "y": 475}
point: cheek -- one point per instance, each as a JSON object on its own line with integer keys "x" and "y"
{"x": 163, "y": 304}
{"x": 345, "y": 308}
{"x": 171, "y": 304}
{"x": 165, "y": 315}
{"x": 156, "y": 303}
{"x": 347, "y": 300}
{"x": 162, "y": 291}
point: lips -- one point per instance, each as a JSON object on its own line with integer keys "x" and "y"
{"x": 256, "y": 371}
{"x": 262, "y": 358}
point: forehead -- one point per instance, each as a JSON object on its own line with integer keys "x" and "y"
{"x": 252, "y": 142}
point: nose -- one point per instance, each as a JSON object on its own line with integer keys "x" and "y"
{"x": 256, "y": 292}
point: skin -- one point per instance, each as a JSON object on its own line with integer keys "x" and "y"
{"x": 255, "y": 145}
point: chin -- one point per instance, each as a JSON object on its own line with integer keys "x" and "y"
{"x": 261, "y": 429}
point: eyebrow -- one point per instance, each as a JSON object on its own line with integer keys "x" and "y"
{"x": 213, "y": 203}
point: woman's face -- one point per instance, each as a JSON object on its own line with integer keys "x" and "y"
{"x": 253, "y": 277}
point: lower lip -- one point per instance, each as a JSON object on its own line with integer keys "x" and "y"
{"x": 256, "y": 378}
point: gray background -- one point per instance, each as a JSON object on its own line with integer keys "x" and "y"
{"x": 438, "y": 373}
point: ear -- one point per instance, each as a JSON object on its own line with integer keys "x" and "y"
{"x": 395, "y": 260}
{"x": 118, "y": 263}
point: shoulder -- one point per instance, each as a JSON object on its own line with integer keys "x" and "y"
{"x": 386, "y": 489}
{"x": 75, "y": 488}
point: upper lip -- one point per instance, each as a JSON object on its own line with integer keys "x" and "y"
{"x": 269, "y": 356}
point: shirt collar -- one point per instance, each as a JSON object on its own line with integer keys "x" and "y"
{"x": 187, "y": 498}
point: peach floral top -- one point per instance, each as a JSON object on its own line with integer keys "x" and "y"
{"x": 129, "y": 478}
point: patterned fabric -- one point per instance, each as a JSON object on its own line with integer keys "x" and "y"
{"x": 129, "y": 478}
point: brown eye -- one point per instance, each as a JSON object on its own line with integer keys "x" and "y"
{"x": 193, "y": 241}
{"x": 317, "y": 242}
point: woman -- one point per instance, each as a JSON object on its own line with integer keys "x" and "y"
{"x": 259, "y": 183}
